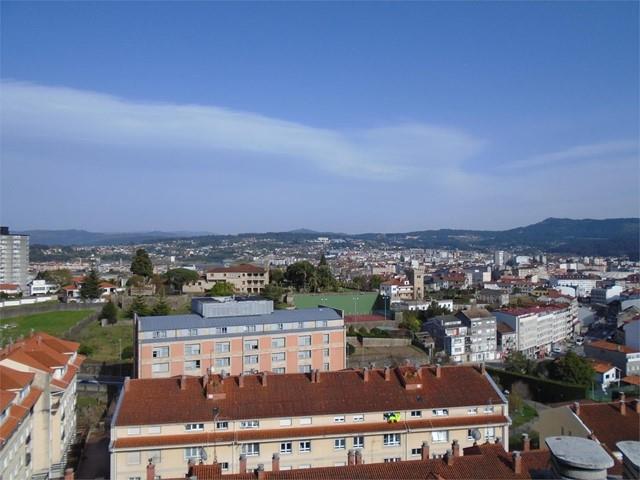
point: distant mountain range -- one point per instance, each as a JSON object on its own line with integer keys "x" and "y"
{"x": 609, "y": 237}
{"x": 84, "y": 238}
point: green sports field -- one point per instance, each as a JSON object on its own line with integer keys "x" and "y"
{"x": 54, "y": 323}
{"x": 353, "y": 303}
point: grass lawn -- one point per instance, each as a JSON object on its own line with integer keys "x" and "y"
{"x": 54, "y": 323}
{"x": 103, "y": 343}
{"x": 524, "y": 415}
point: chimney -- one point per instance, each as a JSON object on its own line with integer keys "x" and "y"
{"x": 241, "y": 380}
{"x": 387, "y": 374}
{"x": 260, "y": 472}
{"x": 517, "y": 463}
{"x": 425, "y": 451}
{"x": 455, "y": 448}
{"x": 243, "y": 464}
{"x": 275, "y": 462}
{"x": 526, "y": 442}
{"x": 183, "y": 382}
{"x": 351, "y": 457}
{"x": 127, "y": 380}
{"x": 365, "y": 374}
{"x": 449, "y": 457}
{"x": 151, "y": 471}
{"x": 438, "y": 371}
{"x": 68, "y": 474}
{"x": 264, "y": 379}
{"x": 576, "y": 408}
{"x": 636, "y": 405}
{"x": 359, "y": 460}
{"x": 623, "y": 404}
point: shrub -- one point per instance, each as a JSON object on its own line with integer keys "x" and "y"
{"x": 127, "y": 352}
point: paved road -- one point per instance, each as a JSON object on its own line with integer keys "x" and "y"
{"x": 94, "y": 463}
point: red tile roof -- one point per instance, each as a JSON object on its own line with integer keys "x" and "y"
{"x": 5, "y": 399}
{"x": 608, "y": 424}
{"x": 484, "y": 462}
{"x": 11, "y": 379}
{"x": 240, "y": 268}
{"x": 614, "y": 347}
{"x": 154, "y": 401}
{"x": 631, "y": 379}
{"x": 17, "y": 412}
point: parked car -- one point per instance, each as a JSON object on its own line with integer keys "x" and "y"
{"x": 579, "y": 340}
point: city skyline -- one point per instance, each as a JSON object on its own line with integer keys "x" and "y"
{"x": 253, "y": 118}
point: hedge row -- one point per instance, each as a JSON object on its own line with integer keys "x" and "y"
{"x": 542, "y": 390}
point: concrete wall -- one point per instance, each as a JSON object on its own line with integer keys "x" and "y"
{"x": 385, "y": 342}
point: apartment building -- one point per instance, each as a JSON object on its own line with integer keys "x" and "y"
{"x": 235, "y": 335}
{"x": 245, "y": 278}
{"x": 38, "y": 399}
{"x": 14, "y": 257}
{"x": 481, "y": 334}
{"x": 397, "y": 289}
{"x": 450, "y": 335}
{"x": 582, "y": 284}
{"x": 307, "y": 420}
{"x": 625, "y": 358}
{"x": 538, "y": 328}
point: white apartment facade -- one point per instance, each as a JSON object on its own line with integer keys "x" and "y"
{"x": 14, "y": 257}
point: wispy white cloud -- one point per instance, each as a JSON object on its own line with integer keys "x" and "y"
{"x": 67, "y": 115}
{"x": 579, "y": 153}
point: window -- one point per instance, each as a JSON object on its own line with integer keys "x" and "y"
{"x": 194, "y": 427}
{"x": 224, "y": 466}
{"x": 193, "y": 332}
{"x": 489, "y": 433}
{"x": 358, "y": 442}
{"x": 133, "y": 431}
{"x": 470, "y": 435}
{"x": 304, "y": 340}
{"x": 472, "y": 411}
{"x": 154, "y": 455}
{"x": 280, "y": 326}
{"x": 306, "y": 465}
{"x": 305, "y": 421}
{"x": 285, "y": 422}
{"x": 249, "y": 424}
{"x": 338, "y": 419}
{"x": 339, "y": 444}
{"x": 416, "y": 413}
{"x": 278, "y": 370}
{"x": 251, "y": 345}
{"x": 440, "y": 436}
{"x": 392, "y": 459}
{"x": 222, "y": 425}
{"x": 358, "y": 418}
{"x": 325, "y": 352}
{"x": 415, "y": 452}
{"x": 304, "y": 368}
{"x": 325, "y": 338}
{"x": 325, "y": 367}
{"x": 192, "y": 349}
{"x": 160, "y": 352}
{"x": 286, "y": 448}
{"x": 221, "y": 330}
{"x": 278, "y": 357}
{"x": 223, "y": 362}
{"x": 277, "y": 342}
{"x": 250, "y": 449}
{"x": 192, "y": 365}
{"x": 304, "y": 354}
{"x": 192, "y": 453}
{"x": 133, "y": 458}
{"x": 160, "y": 367}
{"x": 300, "y": 324}
{"x": 305, "y": 446}
{"x": 223, "y": 347}
{"x": 250, "y": 359}
{"x": 154, "y": 430}
{"x": 250, "y": 328}
{"x": 489, "y": 409}
{"x": 440, "y": 412}
{"x": 391, "y": 439}
{"x": 160, "y": 334}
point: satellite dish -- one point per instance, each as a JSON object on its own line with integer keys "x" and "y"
{"x": 203, "y": 454}
{"x": 475, "y": 433}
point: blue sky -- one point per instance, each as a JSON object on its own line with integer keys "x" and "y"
{"x": 333, "y": 116}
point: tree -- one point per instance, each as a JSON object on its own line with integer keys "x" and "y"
{"x": 411, "y": 321}
{"x": 178, "y": 277}
{"x": 91, "y": 286}
{"x": 110, "y": 312}
{"x": 273, "y": 292}
{"x": 221, "y": 289}
{"x": 323, "y": 261}
{"x": 161, "y": 307}
{"x": 138, "y": 306}
{"x": 374, "y": 282}
{"x": 141, "y": 264}
{"x": 301, "y": 275}
{"x": 519, "y": 363}
{"x": 276, "y": 276}
{"x": 60, "y": 277}
{"x": 434, "y": 310}
{"x": 325, "y": 279}
{"x": 572, "y": 369}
